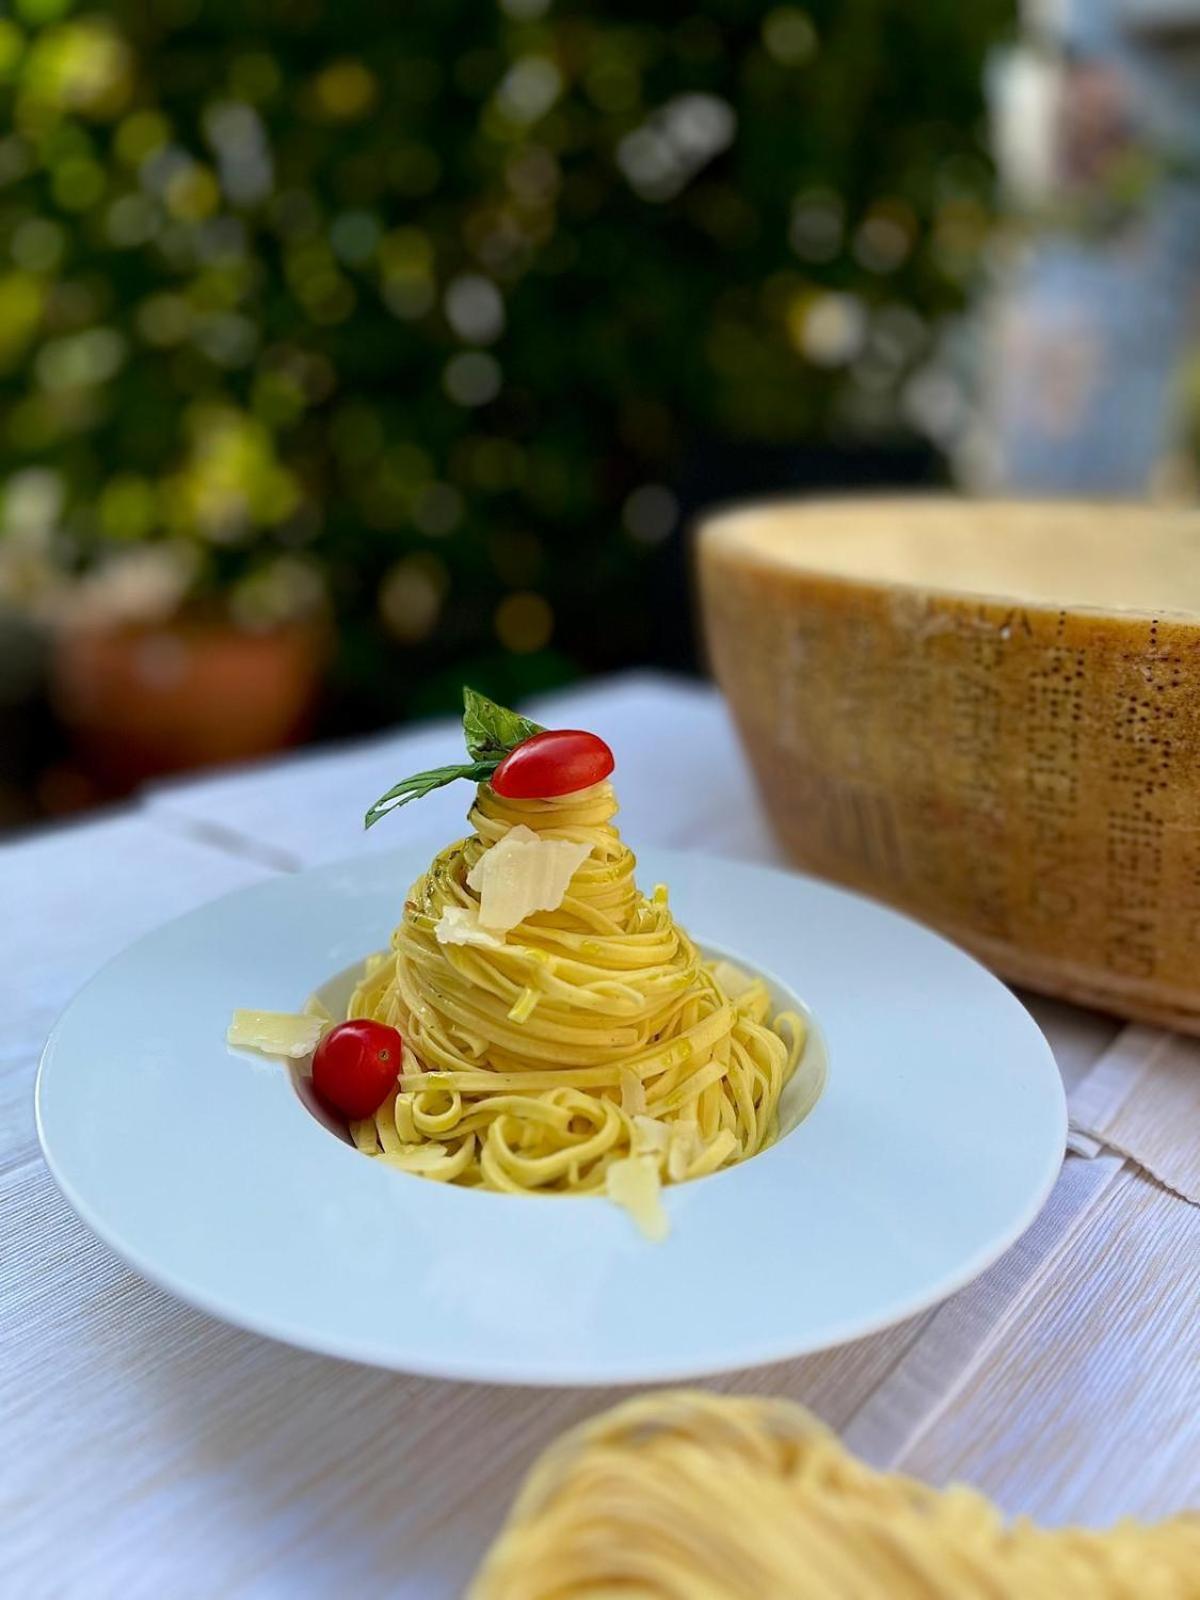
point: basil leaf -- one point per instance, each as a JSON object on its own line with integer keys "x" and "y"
{"x": 492, "y": 731}
{"x": 423, "y": 783}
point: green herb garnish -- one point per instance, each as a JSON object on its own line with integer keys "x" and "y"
{"x": 491, "y": 731}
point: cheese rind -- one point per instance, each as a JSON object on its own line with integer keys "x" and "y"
{"x": 1020, "y": 770}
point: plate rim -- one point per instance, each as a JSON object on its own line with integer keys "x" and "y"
{"x": 588, "y": 1373}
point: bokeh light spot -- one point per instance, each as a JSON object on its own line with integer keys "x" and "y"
{"x": 472, "y": 378}
{"x": 650, "y": 513}
{"x": 131, "y": 220}
{"x": 80, "y": 360}
{"x": 524, "y": 622}
{"x": 345, "y": 90}
{"x": 828, "y": 329}
{"x": 790, "y": 36}
{"x": 164, "y": 319}
{"x": 355, "y": 236}
{"x": 885, "y": 236}
{"x": 78, "y": 183}
{"x": 474, "y": 308}
{"x": 411, "y": 597}
{"x": 83, "y": 66}
{"x": 191, "y": 193}
{"x": 528, "y": 89}
{"x": 38, "y": 244}
{"x": 139, "y": 135}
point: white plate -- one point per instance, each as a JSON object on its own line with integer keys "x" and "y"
{"x": 937, "y": 1138}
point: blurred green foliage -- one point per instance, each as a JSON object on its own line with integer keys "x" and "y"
{"x": 417, "y": 310}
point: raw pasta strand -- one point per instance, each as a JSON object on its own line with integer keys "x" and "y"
{"x": 693, "y": 1496}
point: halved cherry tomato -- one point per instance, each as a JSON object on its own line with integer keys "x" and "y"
{"x": 556, "y": 762}
{"x": 356, "y": 1065}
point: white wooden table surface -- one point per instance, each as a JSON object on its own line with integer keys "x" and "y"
{"x": 146, "y": 1450}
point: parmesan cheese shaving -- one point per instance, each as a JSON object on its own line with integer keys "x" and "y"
{"x": 633, "y": 1093}
{"x": 275, "y": 1033}
{"x": 460, "y": 925}
{"x": 522, "y": 874}
{"x": 633, "y": 1183}
{"x": 650, "y": 1137}
{"x": 432, "y": 1160}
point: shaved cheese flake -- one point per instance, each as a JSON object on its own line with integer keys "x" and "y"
{"x": 433, "y": 1160}
{"x": 633, "y": 1093}
{"x": 314, "y": 1006}
{"x": 650, "y": 1137}
{"x": 521, "y": 874}
{"x": 460, "y": 925}
{"x": 275, "y": 1033}
{"x": 633, "y": 1184}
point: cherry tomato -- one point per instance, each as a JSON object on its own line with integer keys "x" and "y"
{"x": 552, "y": 763}
{"x": 356, "y": 1065}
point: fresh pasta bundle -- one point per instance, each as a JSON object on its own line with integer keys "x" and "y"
{"x": 692, "y": 1496}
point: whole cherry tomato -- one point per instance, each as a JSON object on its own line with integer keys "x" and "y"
{"x": 356, "y": 1065}
{"x": 556, "y": 762}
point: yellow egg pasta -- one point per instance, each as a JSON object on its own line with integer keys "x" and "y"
{"x": 539, "y": 1058}
{"x": 692, "y": 1496}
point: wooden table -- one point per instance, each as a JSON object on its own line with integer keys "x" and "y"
{"x": 149, "y": 1451}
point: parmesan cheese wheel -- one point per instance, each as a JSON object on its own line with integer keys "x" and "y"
{"x": 986, "y": 713}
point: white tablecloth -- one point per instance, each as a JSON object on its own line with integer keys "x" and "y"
{"x": 149, "y": 1451}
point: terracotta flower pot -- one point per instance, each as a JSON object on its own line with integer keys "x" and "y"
{"x": 145, "y": 700}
